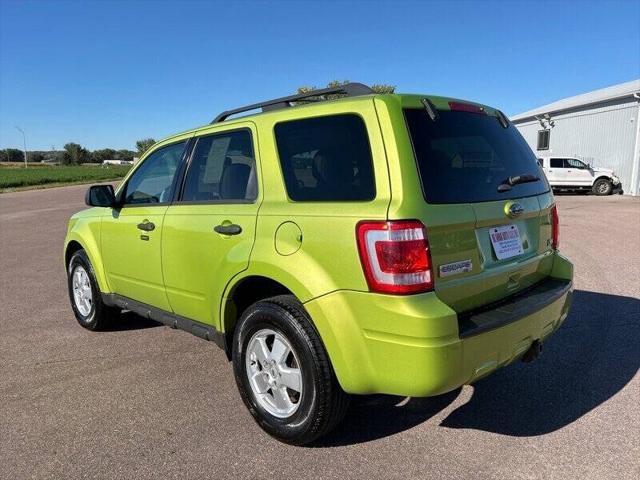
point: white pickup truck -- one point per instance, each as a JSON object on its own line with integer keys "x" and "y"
{"x": 568, "y": 173}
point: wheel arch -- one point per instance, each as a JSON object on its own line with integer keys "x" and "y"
{"x": 74, "y": 243}
{"x": 240, "y": 294}
{"x": 72, "y": 247}
{"x": 603, "y": 177}
{"x": 250, "y": 288}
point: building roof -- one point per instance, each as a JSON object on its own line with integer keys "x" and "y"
{"x": 597, "y": 96}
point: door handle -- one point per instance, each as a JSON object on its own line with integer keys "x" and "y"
{"x": 228, "y": 229}
{"x": 147, "y": 226}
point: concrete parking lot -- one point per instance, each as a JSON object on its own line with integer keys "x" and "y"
{"x": 145, "y": 401}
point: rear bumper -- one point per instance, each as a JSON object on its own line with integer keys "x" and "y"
{"x": 517, "y": 307}
{"x": 417, "y": 346}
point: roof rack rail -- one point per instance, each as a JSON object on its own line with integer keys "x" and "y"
{"x": 349, "y": 89}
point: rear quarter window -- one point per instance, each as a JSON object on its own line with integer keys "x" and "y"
{"x": 326, "y": 159}
{"x": 463, "y": 157}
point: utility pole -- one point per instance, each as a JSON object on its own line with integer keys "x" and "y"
{"x": 24, "y": 144}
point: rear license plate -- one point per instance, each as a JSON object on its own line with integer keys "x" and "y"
{"x": 506, "y": 241}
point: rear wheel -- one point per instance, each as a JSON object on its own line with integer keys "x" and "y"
{"x": 602, "y": 186}
{"x": 84, "y": 294}
{"x": 283, "y": 372}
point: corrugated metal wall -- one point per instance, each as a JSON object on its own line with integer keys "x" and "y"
{"x": 603, "y": 136}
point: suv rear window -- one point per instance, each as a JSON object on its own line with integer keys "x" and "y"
{"x": 326, "y": 159}
{"x": 463, "y": 157}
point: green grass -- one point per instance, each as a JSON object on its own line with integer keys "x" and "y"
{"x": 13, "y": 177}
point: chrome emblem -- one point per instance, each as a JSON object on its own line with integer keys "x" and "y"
{"x": 513, "y": 210}
{"x": 455, "y": 268}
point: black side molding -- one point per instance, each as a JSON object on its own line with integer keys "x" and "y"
{"x": 206, "y": 332}
{"x": 513, "y": 308}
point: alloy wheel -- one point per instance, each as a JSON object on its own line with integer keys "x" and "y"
{"x": 82, "y": 294}
{"x": 274, "y": 373}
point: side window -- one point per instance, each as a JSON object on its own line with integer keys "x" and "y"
{"x": 543, "y": 139}
{"x": 153, "y": 182}
{"x": 573, "y": 163}
{"x": 223, "y": 167}
{"x": 541, "y": 162}
{"x": 556, "y": 163}
{"x": 326, "y": 159}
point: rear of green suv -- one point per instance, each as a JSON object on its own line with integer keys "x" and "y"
{"x": 396, "y": 244}
{"x": 476, "y": 307}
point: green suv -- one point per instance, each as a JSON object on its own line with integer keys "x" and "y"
{"x": 394, "y": 244}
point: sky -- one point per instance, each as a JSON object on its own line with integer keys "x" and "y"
{"x": 107, "y": 73}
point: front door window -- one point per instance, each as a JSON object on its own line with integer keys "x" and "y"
{"x": 153, "y": 181}
{"x": 574, "y": 163}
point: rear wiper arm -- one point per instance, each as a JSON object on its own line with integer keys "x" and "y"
{"x": 515, "y": 180}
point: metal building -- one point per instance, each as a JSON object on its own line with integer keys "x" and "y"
{"x": 600, "y": 127}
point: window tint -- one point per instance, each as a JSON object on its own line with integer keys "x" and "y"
{"x": 543, "y": 139}
{"x": 464, "y": 157}
{"x": 556, "y": 163}
{"x": 153, "y": 181}
{"x": 326, "y": 159}
{"x": 222, "y": 168}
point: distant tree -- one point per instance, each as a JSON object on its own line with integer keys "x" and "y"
{"x": 75, "y": 154}
{"x": 54, "y": 156}
{"x": 11, "y": 155}
{"x": 383, "y": 88}
{"x": 37, "y": 157}
{"x": 377, "y": 88}
{"x": 144, "y": 145}
{"x": 125, "y": 155}
{"x": 99, "y": 156}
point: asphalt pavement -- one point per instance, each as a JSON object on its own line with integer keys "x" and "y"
{"x": 144, "y": 401}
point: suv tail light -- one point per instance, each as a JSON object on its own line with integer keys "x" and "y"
{"x": 555, "y": 228}
{"x": 395, "y": 256}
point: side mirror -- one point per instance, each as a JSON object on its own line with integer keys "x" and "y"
{"x": 100, "y": 196}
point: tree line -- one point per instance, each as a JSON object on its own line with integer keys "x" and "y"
{"x": 380, "y": 88}
{"x": 75, "y": 154}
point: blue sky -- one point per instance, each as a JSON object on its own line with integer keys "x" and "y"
{"x": 105, "y": 74}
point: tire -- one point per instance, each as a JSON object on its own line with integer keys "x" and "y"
{"x": 320, "y": 404}
{"x": 602, "y": 186}
{"x": 88, "y": 307}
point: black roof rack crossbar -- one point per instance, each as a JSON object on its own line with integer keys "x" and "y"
{"x": 349, "y": 89}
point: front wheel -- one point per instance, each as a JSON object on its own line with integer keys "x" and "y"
{"x": 602, "y": 186}
{"x": 283, "y": 372}
{"x": 84, "y": 293}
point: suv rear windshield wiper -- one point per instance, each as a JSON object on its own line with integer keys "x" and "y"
{"x": 515, "y": 180}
